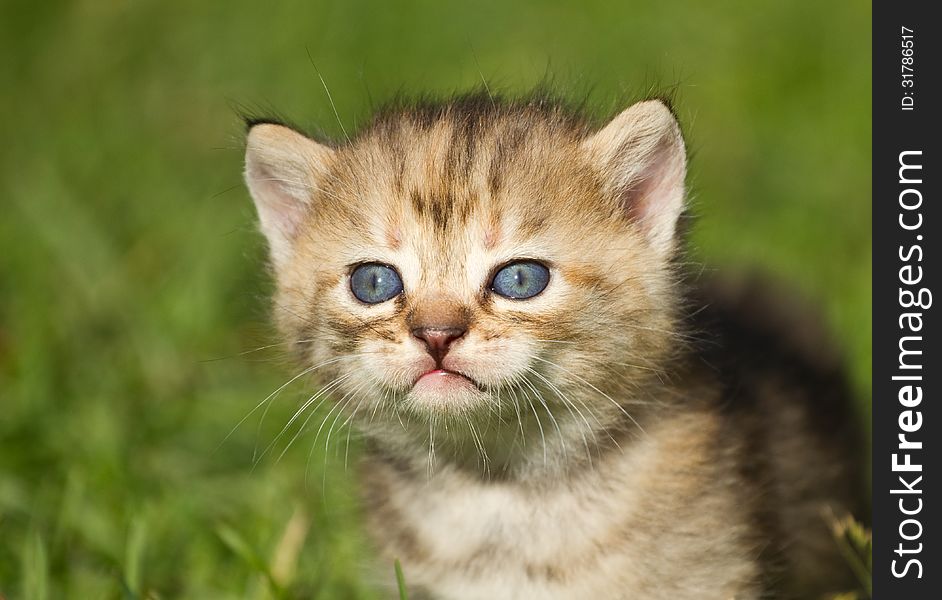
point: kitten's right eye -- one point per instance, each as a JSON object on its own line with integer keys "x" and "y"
{"x": 521, "y": 280}
{"x": 373, "y": 283}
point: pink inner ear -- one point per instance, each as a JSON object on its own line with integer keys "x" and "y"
{"x": 650, "y": 186}
{"x": 653, "y": 195}
{"x": 284, "y": 211}
{"x": 281, "y": 205}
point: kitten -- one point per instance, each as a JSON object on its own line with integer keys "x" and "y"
{"x": 491, "y": 292}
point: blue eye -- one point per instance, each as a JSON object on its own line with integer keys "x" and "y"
{"x": 521, "y": 280}
{"x": 374, "y": 283}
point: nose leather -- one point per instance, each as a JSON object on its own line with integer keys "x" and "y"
{"x": 438, "y": 340}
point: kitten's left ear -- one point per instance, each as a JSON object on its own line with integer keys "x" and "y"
{"x": 642, "y": 159}
{"x": 283, "y": 170}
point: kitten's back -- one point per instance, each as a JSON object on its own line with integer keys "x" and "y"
{"x": 785, "y": 391}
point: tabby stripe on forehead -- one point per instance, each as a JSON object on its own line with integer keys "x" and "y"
{"x": 461, "y": 151}
{"x": 439, "y": 209}
{"x": 504, "y": 147}
{"x": 418, "y": 203}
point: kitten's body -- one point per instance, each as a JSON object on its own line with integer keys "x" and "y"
{"x": 605, "y": 438}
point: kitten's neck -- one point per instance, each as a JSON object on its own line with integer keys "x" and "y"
{"x": 505, "y": 452}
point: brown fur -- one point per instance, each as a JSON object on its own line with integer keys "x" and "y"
{"x": 618, "y": 441}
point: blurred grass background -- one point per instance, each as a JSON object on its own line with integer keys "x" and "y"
{"x": 129, "y": 259}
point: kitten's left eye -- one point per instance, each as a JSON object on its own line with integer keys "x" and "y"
{"x": 521, "y": 280}
{"x": 373, "y": 283}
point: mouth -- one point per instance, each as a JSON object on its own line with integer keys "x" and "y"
{"x": 443, "y": 379}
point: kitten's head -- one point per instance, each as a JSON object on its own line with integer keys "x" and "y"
{"x": 455, "y": 262}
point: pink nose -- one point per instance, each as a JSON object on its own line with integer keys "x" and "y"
{"x": 438, "y": 340}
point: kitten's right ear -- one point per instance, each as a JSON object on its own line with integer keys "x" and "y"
{"x": 283, "y": 169}
{"x": 643, "y": 161}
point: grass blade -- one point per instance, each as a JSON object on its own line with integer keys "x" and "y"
{"x": 401, "y": 582}
{"x": 35, "y": 569}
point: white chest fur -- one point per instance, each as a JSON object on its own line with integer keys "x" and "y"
{"x": 638, "y": 526}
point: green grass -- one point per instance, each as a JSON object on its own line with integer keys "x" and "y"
{"x": 129, "y": 259}
{"x": 401, "y": 581}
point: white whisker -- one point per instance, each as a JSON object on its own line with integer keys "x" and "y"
{"x": 321, "y": 393}
{"x": 589, "y": 384}
{"x": 276, "y": 392}
{"x": 569, "y": 406}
